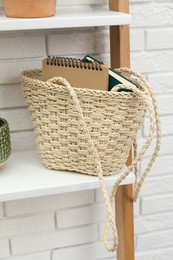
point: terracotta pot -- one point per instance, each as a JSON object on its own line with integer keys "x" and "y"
{"x": 29, "y": 8}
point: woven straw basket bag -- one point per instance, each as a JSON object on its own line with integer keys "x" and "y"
{"x": 92, "y": 131}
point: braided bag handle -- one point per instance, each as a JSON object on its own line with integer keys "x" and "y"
{"x": 154, "y": 120}
{"x": 154, "y": 128}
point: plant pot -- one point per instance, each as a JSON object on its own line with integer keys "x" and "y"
{"x": 5, "y": 144}
{"x": 29, "y": 8}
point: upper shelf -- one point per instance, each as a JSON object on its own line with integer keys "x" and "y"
{"x": 24, "y": 176}
{"x": 67, "y": 18}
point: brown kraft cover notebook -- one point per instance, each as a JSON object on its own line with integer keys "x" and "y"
{"x": 78, "y": 73}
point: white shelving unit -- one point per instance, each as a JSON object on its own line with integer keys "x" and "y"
{"x": 24, "y": 176}
{"x": 67, "y": 18}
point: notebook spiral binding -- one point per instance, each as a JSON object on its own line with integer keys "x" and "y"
{"x": 72, "y": 62}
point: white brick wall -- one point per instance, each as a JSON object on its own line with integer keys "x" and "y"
{"x": 156, "y": 39}
{"x": 28, "y": 47}
{"x": 152, "y": 14}
{"x": 161, "y": 254}
{"x": 11, "y": 96}
{"x": 70, "y": 226}
{"x": 151, "y": 223}
{"x": 1, "y": 210}
{"x": 161, "y": 203}
{"x": 37, "y": 256}
{"x": 68, "y": 200}
{"x": 59, "y": 238}
{"x": 155, "y": 240}
{"x": 86, "y": 252}
{"x": 160, "y": 167}
{"x": 78, "y": 37}
{"x": 80, "y": 216}
{"x": 26, "y": 224}
{"x": 4, "y": 248}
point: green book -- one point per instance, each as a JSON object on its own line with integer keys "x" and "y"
{"x": 115, "y": 78}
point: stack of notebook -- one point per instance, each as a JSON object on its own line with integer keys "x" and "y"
{"x": 83, "y": 73}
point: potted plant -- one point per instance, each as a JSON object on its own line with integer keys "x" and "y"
{"x": 29, "y": 8}
{"x": 5, "y": 144}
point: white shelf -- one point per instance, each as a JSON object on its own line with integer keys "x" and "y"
{"x": 66, "y": 18}
{"x": 24, "y": 176}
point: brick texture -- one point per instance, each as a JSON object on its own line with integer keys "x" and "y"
{"x": 161, "y": 203}
{"x": 61, "y": 238}
{"x": 161, "y": 82}
{"x": 161, "y": 254}
{"x": 11, "y": 96}
{"x": 4, "y": 248}
{"x": 80, "y": 216}
{"x": 27, "y": 47}
{"x": 152, "y": 14}
{"x": 90, "y": 251}
{"x": 19, "y": 119}
{"x": 156, "y": 39}
{"x": 35, "y": 256}
{"x": 20, "y": 207}
{"x": 150, "y": 223}
{"x": 96, "y": 39}
{"x": 1, "y": 210}
{"x": 155, "y": 240}
{"x": 26, "y": 224}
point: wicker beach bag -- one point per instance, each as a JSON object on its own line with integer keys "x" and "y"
{"x": 92, "y": 131}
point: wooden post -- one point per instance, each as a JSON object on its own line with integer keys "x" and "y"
{"x": 119, "y": 37}
{"x": 120, "y": 57}
{"x": 124, "y": 219}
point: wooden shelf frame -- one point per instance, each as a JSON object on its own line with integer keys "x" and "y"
{"x": 118, "y": 18}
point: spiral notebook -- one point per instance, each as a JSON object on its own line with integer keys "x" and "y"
{"x": 78, "y": 73}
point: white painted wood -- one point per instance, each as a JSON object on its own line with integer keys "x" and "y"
{"x": 66, "y": 18}
{"x": 24, "y": 176}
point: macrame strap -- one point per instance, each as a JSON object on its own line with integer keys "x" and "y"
{"x": 154, "y": 129}
{"x": 99, "y": 171}
{"x": 154, "y": 120}
{"x": 147, "y": 95}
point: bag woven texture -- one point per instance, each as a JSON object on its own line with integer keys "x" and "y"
{"x": 91, "y": 131}
{"x": 5, "y": 144}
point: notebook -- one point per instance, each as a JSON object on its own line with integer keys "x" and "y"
{"x": 78, "y": 73}
{"x": 114, "y": 77}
